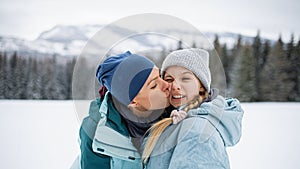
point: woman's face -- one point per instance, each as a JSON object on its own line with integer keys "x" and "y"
{"x": 185, "y": 86}
{"x": 154, "y": 94}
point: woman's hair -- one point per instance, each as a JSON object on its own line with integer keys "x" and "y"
{"x": 157, "y": 128}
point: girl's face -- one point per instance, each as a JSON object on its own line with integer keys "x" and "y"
{"x": 185, "y": 86}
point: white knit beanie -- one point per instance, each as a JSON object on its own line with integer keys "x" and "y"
{"x": 195, "y": 60}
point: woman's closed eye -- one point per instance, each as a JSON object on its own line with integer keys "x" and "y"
{"x": 153, "y": 86}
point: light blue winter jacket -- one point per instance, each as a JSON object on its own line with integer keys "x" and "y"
{"x": 200, "y": 141}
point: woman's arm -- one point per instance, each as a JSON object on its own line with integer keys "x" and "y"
{"x": 90, "y": 159}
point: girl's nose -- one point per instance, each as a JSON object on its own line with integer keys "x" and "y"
{"x": 175, "y": 85}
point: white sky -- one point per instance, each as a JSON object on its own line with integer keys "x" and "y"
{"x": 28, "y": 18}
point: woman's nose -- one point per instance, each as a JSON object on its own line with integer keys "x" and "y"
{"x": 165, "y": 85}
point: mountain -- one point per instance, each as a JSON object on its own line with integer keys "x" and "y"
{"x": 68, "y": 34}
{"x": 69, "y": 40}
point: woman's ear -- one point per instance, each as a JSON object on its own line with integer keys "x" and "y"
{"x": 133, "y": 104}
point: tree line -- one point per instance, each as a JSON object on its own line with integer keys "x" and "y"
{"x": 35, "y": 77}
{"x": 260, "y": 70}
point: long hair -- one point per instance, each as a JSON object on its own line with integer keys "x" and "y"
{"x": 157, "y": 129}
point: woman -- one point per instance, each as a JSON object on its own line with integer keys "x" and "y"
{"x": 110, "y": 136}
{"x": 200, "y": 140}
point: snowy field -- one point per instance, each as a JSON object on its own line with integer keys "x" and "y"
{"x": 43, "y": 135}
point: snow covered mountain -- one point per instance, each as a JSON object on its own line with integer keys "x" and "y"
{"x": 68, "y": 40}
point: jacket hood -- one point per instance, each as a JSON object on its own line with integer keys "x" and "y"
{"x": 225, "y": 115}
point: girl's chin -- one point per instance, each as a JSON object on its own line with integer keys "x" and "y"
{"x": 176, "y": 105}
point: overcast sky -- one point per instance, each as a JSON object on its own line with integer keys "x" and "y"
{"x": 28, "y": 18}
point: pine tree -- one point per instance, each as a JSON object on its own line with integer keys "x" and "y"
{"x": 48, "y": 78}
{"x": 223, "y": 54}
{"x": 61, "y": 83}
{"x": 179, "y": 45}
{"x": 194, "y": 45}
{"x": 277, "y": 86}
{"x": 31, "y": 79}
{"x": 218, "y": 48}
{"x": 5, "y": 76}
{"x": 292, "y": 57}
{"x": 217, "y": 72}
{"x": 70, "y": 69}
{"x": 297, "y": 51}
{"x": 2, "y": 76}
{"x": 236, "y": 51}
{"x": 35, "y": 85}
{"x": 81, "y": 80}
{"x": 234, "y": 63}
{"x": 226, "y": 61}
{"x": 265, "y": 52}
{"x": 265, "y": 72}
{"x": 21, "y": 78}
{"x": 244, "y": 81}
{"x": 12, "y": 82}
{"x": 259, "y": 62}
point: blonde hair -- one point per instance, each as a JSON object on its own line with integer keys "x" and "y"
{"x": 157, "y": 129}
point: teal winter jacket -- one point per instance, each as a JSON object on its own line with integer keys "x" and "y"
{"x": 104, "y": 139}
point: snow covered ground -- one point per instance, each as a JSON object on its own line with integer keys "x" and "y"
{"x": 43, "y": 135}
{"x": 38, "y": 134}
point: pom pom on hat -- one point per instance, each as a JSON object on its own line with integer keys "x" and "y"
{"x": 124, "y": 75}
{"x": 195, "y": 60}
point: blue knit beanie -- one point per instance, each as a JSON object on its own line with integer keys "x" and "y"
{"x": 124, "y": 75}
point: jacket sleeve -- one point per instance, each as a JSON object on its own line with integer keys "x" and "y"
{"x": 231, "y": 122}
{"x": 90, "y": 159}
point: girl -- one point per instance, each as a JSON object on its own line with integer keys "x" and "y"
{"x": 213, "y": 122}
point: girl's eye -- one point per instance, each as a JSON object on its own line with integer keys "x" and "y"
{"x": 169, "y": 80}
{"x": 185, "y": 78}
{"x": 153, "y": 87}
